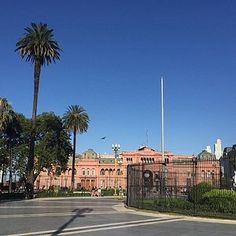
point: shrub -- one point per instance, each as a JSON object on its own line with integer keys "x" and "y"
{"x": 108, "y": 192}
{"x": 61, "y": 193}
{"x": 173, "y": 203}
{"x": 197, "y": 191}
{"x": 220, "y": 200}
{"x": 148, "y": 204}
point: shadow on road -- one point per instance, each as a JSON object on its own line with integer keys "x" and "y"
{"x": 79, "y": 213}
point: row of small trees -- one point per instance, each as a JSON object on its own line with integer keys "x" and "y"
{"x": 39, "y": 47}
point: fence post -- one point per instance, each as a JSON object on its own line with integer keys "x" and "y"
{"x": 194, "y": 160}
{"x": 142, "y": 184}
{"x": 128, "y": 183}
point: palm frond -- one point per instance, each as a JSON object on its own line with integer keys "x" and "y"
{"x": 76, "y": 118}
{"x": 38, "y": 43}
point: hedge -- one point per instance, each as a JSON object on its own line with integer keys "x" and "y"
{"x": 171, "y": 204}
{"x": 60, "y": 193}
{"x": 220, "y": 200}
{"x": 196, "y": 193}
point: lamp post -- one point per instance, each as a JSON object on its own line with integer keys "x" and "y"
{"x": 115, "y": 148}
{"x": 119, "y": 179}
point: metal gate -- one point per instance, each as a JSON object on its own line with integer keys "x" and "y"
{"x": 150, "y": 181}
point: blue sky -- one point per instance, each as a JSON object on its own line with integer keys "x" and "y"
{"x": 114, "y": 53}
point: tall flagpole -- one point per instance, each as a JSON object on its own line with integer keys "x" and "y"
{"x": 162, "y": 120}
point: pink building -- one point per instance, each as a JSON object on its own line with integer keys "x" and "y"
{"x": 102, "y": 171}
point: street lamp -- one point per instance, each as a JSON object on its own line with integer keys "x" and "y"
{"x": 115, "y": 148}
{"x": 119, "y": 161}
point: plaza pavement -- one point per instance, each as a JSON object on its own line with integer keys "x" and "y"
{"x": 100, "y": 217}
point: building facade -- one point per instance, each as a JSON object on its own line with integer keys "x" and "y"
{"x": 228, "y": 167}
{"x": 94, "y": 170}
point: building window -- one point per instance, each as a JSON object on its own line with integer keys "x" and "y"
{"x": 93, "y": 172}
{"x": 203, "y": 174}
{"x": 119, "y": 172}
{"x": 208, "y": 174}
{"x": 106, "y": 172}
{"x": 129, "y": 160}
{"x": 83, "y": 171}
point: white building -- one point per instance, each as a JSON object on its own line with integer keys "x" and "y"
{"x": 208, "y": 148}
{"x": 218, "y": 149}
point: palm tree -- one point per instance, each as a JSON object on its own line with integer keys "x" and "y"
{"x": 75, "y": 120}
{"x": 39, "y": 47}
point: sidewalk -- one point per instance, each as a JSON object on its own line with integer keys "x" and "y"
{"x": 62, "y": 198}
{"x": 122, "y": 208}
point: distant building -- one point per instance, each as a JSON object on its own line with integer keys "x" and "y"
{"x": 208, "y": 148}
{"x": 205, "y": 155}
{"x": 228, "y": 167}
{"x": 218, "y": 149}
{"x": 224, "y": 162}
{"x": 92, "y": 170}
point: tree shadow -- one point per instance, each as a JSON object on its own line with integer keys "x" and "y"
{"x": 79, "y": 213}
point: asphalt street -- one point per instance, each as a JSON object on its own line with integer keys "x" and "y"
{"x": 100, "y": 217}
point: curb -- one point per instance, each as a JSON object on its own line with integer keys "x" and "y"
{"x": 124, "y": 208}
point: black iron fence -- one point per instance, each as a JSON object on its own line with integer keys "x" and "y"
{"x": 185, "y": 186}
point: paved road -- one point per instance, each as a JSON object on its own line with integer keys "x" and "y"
{"x": 100, "y": 217}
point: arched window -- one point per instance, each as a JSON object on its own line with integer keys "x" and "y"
{"x": 106, "y": 171}
{"x": 88, "y": 172}
{"x": 129, "y": 160}
{"x": 83, "y": 171}
{"x": 203, "y": 173}
{"x": 102, "y": 172}
{"x": 208, "y": 174}
{"x": 119, "y": 172}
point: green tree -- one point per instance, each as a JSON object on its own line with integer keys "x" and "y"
{"x": 10, "y": 130}
{"x": 76, "y": 120}
{"x": 39, "y": 47}
{"x": 21, "y": 151}
{"x": 53, "y": 146}
{"x": 6, "y": 113}
{"x": 12, "y": 139}
{"x": 5, "y": 117}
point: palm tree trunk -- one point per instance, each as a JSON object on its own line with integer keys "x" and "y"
{"x": 30, "y": 164}
{"x": 73, "y": 162}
